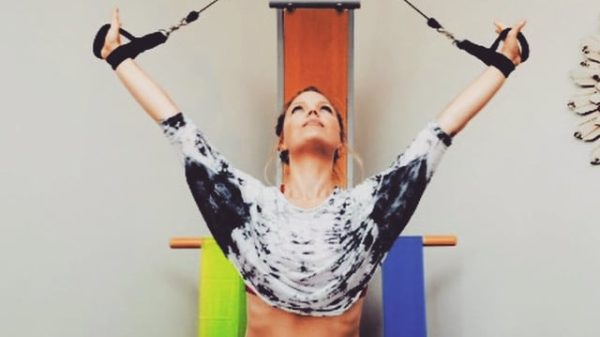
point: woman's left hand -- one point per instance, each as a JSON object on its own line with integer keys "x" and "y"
{"x": 510, "y": 47}
{"x": 113, "y": 37}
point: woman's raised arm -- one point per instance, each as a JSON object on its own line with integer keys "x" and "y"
{"x": 472, "y": 99}
{"x": 146, "y": 92}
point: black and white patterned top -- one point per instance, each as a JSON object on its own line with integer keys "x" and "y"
{"x": 307, "y": 261}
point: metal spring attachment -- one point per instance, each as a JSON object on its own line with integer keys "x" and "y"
{"x": 447, "y": 34}
{"x": 191, "y": 17}
{"x": 167, "y": 32}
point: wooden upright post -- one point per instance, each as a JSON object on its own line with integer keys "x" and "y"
{"x": 316, "y": 49}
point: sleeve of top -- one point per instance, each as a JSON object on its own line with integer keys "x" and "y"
{"x": 387, "y": 200}
{"x": 225, "y": 196}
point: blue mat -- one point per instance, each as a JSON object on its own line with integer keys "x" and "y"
{"x": 403, "y": 283}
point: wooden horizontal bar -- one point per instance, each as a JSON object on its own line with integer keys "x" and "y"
{"x": 439, "y": 240}
{"x": 428, "y": 241}
{"x": 186, "y": 243}
{"x": 340, "y": 4}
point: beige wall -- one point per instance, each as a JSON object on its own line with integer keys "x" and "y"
{"x": 91, "y": 191}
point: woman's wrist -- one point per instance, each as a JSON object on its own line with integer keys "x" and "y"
{"x": 503, "y": 63}
{"x": 109, "y": 49}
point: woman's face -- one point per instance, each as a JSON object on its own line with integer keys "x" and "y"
{"x": 311, "y": 124}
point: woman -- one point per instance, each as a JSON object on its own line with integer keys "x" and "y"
{"x": 307, "y": 249}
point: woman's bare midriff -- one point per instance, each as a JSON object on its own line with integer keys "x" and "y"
{"x": 267, "y": 321}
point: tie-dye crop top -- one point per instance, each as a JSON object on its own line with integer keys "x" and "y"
{"x": 307, "y": 261}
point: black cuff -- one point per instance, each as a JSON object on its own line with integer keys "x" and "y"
{"x": 503, "y": 63}
{"x": 488, "y": 56}
{"x": 121, "y": 54}
{"x": 135, "y": 47}
{"x": 131, "y": 49}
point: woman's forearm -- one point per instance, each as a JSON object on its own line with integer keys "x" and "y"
{"x": 146, "y": 92}
{"x": 470, "y": 101}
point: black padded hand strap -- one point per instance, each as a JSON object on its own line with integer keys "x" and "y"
{"x": 131, "y": 49}
{"x": 491, "y": 57}
{"x": 522, "y": 42}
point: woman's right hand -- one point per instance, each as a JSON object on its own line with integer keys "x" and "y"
{"x": 510, "y": 46}
{"x": 113, "y": 37}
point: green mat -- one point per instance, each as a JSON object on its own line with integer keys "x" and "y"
{"x": 222, "y": 299}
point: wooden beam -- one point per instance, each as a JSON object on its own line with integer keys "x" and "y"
{"x": 428, "y": 241}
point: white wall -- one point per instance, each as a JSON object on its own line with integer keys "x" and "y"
{"x": 91, "y": 191}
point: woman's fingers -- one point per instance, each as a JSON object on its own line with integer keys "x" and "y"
{"x": 513, "y": 31}
{"x": 499, "y": 26}
{"x": 116, "y": 17}
{"x": 510, "y": 47}
{"x": 113, "y": 36}
{"x": 113, "y": 32}
{"x": 516, "y": 29}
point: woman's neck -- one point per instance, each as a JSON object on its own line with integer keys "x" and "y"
{"x": 309, "y": 179}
